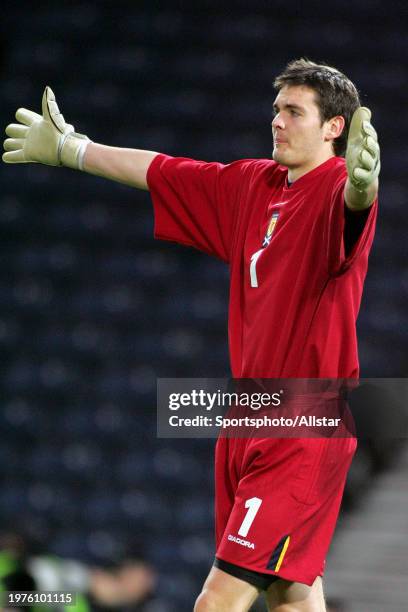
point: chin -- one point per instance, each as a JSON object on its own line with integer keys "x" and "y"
{"x": 278, "y": 157}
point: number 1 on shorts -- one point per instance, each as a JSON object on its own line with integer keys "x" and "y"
{"x": 253, "y": 506}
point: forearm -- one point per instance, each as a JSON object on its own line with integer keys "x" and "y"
{"x": 360, "y": 200}
{"x": 128, "y": 166}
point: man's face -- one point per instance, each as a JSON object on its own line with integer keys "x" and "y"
{"x": 297, "y": 130}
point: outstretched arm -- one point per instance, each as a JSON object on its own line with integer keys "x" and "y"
{"x": 48, "y": 139}
{"x": 363, "y": 162}
{"x": 128, "y": 166}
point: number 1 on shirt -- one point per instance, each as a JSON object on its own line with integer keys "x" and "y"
{"x": 252, "y": 268}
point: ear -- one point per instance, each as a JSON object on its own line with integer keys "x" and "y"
{"x": 334, "y": 127}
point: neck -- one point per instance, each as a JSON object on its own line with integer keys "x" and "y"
{"x": 294, "y": 173}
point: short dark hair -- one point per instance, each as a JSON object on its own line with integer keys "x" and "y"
{"x": 335, "y": 93}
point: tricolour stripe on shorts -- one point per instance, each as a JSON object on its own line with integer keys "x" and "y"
{"x": 278, "y": 554}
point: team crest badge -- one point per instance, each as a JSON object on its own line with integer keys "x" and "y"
{"x": 270, "y": 230}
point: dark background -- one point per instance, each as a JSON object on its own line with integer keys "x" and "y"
{"x": 92, "y": 310}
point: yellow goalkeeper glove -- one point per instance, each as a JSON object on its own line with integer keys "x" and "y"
{"x": 363, "y": 150}
{"x": 45, "y": 138}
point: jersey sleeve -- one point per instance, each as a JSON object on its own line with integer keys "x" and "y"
{"x": 339, "y": 260}
{"x": 196, "y": 203}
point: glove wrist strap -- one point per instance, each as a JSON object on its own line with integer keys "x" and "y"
{"x": 71, "y": 150}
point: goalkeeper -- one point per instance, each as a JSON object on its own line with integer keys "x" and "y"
{"x": 296, "y": 231}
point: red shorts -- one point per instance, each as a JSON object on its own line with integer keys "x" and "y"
{"x": 277, "y": 502}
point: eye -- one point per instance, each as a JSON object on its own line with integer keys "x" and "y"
{"x": 294, "y": 113}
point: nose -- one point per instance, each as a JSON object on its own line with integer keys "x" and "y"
{"x": 277, "y": 121}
